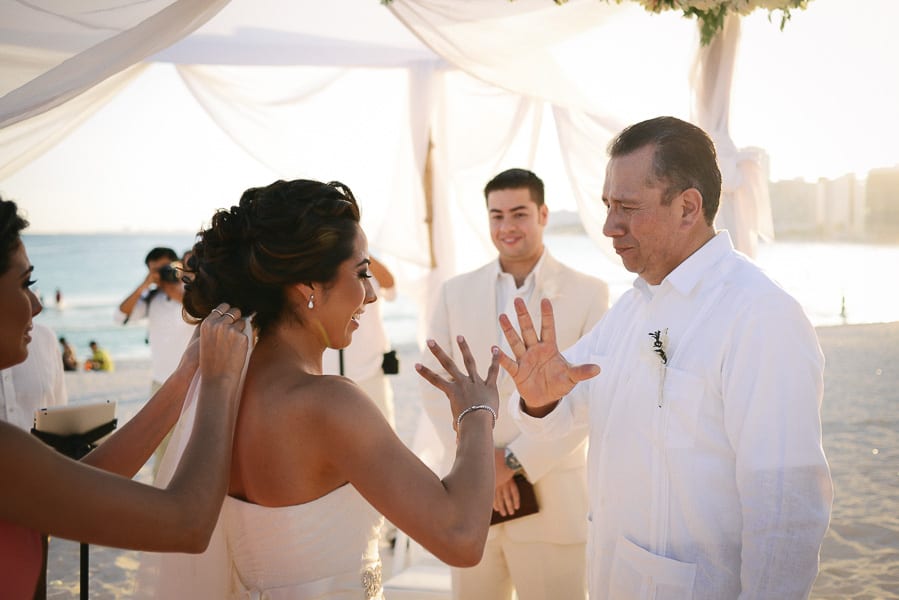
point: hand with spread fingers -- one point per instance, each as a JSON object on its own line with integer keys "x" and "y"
{"x": 467, "y": 392}
{"x": 541, "y": 373}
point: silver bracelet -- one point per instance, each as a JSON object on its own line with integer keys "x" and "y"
{"x": 472, "y": 409}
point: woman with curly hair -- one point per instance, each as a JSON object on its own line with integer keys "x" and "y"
{"x": 315, "y": 463}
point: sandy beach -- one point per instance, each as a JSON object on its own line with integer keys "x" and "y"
{"x": 860, "y": 556}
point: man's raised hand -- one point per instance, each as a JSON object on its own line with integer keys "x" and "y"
{"x": 541, "y": 373}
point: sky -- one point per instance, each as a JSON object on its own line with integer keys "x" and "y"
{"x": 834, "y": 70}
{"x": 820, "y": 97}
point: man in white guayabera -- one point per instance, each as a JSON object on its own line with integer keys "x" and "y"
{"x": 701, "y": 390}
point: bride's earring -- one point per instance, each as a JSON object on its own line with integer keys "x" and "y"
{"x": 310, "y": 305}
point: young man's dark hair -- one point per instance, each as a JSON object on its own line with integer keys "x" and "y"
{"x": 513, "y": 179}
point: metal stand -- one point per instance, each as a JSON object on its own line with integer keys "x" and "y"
{"x": 76, "y": 446}
{"x": 85, "y": 571}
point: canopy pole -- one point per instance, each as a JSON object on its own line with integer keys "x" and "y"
{"x": 428, "y": 184}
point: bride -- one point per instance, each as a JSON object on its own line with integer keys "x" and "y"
{"x": 315, "y": 464}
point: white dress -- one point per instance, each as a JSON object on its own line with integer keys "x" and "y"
{"x": 327, "y": 548}
{"x": 323, "y": 549}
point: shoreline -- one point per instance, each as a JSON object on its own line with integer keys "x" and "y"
{"x": 860, "y": 417}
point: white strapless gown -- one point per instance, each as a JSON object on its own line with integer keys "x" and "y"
{"x": 323, "y": 549}
{"x": 327, "y": 548}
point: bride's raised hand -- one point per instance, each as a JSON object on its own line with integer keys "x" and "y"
{"x": 464, "y": 390}
{"x": 541, "y": 373}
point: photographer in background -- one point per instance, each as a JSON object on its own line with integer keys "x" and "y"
{"x": 158, "y": 300}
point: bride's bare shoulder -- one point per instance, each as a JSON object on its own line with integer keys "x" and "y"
{"x": 303, "y": 399}
{"x": 326, "y": 392}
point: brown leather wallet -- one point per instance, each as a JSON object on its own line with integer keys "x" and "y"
{"x": 528, "y": 505}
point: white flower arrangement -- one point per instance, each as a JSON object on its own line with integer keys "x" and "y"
{"x": 660, "y": 344}
{"x": 659, "y": 347}
{"x": 712, "y": 13}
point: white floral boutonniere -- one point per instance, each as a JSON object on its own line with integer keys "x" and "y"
{"x": 549, "y": 290}
{"x": 660, "y": 349}
{"x": 659, "y": 343}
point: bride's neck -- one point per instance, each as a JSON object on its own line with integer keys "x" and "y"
{"x": 293, "y": 343}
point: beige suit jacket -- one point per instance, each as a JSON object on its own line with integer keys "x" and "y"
{"x": 467, "y": 306}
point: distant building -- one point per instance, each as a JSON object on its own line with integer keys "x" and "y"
{"x": 840, "y": 206}
{"x": 825, "y": 208}
{"x": 882, "y": 199}
{"x": 794, "y": 207}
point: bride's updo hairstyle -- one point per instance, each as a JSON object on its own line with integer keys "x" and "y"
{"x": 286, "y": 233}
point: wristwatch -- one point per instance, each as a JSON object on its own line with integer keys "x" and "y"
{"x": 512, "y": 460}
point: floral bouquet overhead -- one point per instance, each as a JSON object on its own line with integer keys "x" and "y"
{"x": 711, "y": 13}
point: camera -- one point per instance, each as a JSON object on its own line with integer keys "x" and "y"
{"x": 170, "y": 273}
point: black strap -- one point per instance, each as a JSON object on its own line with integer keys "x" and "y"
{"x": 76, "y": 445}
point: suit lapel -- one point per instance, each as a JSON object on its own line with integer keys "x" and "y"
{"x": 479, "y": 309}
{"x": 545, "y": 286}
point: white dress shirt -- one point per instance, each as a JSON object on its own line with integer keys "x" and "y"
{"x": 707, "y": 477}
{"x": 506, "y": 292}
{"x": 167, "y": 331}
{"x": 36, "y": 383}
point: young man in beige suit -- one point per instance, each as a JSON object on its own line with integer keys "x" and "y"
{"x": 540, "y": 556}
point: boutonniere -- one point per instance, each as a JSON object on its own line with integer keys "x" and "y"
{"x": 659, "y": 340}
{"x": 659, "y": 344}
{"x": 549, "y": 290}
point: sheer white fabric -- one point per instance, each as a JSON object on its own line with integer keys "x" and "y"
{"x": 26, "y": 140}
{"x": 539, "y": 51}
{"x": 583, "y": 139}
{"x": 276, "y": 115}
{"x": 527, "y": 47}
{"x": 391, "y": 94}
{"x": 745, "y": 209}
{"x": 79, "y": 45}
{"x": 512, "y": 46}
{"x": 175, "y": 575}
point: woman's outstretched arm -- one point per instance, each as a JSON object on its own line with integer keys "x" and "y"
{"x": 449, "y": 517}
{"x": 47, "y": 492}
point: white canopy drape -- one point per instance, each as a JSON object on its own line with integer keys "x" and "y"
{"x": 745, "y": 208}
{"x": 53, "y": 51}
{"x": 351, "y": 90}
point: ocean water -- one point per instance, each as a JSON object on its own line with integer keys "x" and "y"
{"x": 94, "y": 273}
{"x": 835, "y": 282}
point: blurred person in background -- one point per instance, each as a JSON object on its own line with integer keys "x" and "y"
{"x": 69, "y": 359}
{"x": 157, "y": 300}
{"x": 99, "y": 360}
